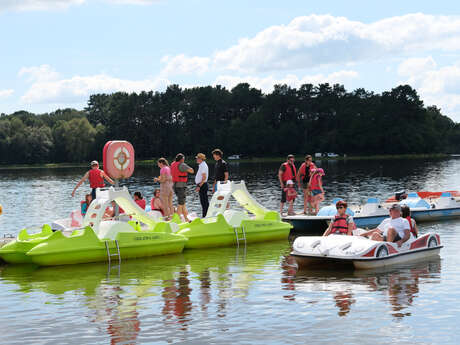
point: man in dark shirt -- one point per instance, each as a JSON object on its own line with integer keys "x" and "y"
{"x": 220, "y": 169}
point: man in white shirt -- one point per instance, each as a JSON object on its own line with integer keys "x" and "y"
{"x": 393, "y": 229}
{"x": 201, "y": 181}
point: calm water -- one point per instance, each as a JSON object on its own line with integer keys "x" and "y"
{"x": 252, "y": 295}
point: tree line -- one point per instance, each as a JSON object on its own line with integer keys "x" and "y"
{"x": 243, "y": 120}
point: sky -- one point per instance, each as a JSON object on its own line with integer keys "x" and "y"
{"x": 55, "y": 53}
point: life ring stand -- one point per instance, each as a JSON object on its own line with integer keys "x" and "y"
{"x": 118, "y": 158}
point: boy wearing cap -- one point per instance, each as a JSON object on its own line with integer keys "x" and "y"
{"x": 201, "y": 181}
{"x": 393, "y": 229}
{"x": 96, "y": 178}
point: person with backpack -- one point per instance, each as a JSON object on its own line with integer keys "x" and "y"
{"x": 303, "y": 180}
{"x": 286, "y": 172}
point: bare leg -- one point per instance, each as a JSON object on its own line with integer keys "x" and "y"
{"x": 376, "y": 237}
{"x": 391, "y": 234}
{"x": 281, "y": 207}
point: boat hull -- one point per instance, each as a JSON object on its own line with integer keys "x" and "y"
{"x": 85, "y": 247}
{"x": 217, "y": 232}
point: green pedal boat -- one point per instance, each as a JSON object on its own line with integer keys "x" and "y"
{"x": 99, "y": 239}
{"x": 224, "y": 227}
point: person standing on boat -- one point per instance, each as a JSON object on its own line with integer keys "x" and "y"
{"x": 166, "y": 184}
{"x": 303, "y": 179}
{"x": 394, "y": 229}
{"x": 316, "y": 188}
{"x": 96, "y": 178}
{"x": 220, "y": 169}
{"x": 201, "y": 181}
{"x": 179, "y": 171}
{"x": 286, "y": 172}
{"x": 341, "y": 223}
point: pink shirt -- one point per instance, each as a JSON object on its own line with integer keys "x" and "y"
{"x": 165, "y": 171}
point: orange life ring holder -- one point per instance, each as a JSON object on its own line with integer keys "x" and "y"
{"x": 118, "y": 157}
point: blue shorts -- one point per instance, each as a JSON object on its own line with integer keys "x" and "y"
{"x": 316, "y": 192}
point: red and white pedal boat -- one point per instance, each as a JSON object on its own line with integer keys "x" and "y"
{"x": 362, "y": 252}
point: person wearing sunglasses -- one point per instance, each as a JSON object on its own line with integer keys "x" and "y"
{"x": 341, "y": 223}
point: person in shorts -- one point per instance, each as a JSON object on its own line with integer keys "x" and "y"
{"x": 393, "y": 229}
{"x": 179, "y": 172}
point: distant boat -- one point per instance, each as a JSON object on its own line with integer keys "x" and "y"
{"x": 234, "y": 157}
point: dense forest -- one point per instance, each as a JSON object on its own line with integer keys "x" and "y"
{"x": 242, "y": 120}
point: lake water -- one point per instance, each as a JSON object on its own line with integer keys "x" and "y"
{"x": 252, "y": 295}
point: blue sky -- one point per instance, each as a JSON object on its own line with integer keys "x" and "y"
{"x": 55, "y": 53}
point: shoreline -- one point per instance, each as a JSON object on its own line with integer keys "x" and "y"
{"x": 152, "y": 162}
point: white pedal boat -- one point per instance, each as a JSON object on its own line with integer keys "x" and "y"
{"x": 362, "y": 252}
{"x": 373, "y": 212}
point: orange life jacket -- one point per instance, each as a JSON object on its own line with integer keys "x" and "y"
{"x": 412, "y": 229}
{"x": 289, "y": 173}
{"x": 340, "y": 225}
{"x": 95, "y": 178}
{"x": 177, "y": 175}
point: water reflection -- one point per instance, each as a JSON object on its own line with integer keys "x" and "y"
{"x": 397, "y": 285}
{"x": 115, "y": 300}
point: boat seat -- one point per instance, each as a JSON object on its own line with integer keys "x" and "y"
{"x": 234, "y": 217}
{"x": 109, "y": 230}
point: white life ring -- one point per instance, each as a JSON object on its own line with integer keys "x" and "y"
{"x": 121, "y": 158}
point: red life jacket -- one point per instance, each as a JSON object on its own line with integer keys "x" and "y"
{"x": 95, "y": 178}
{"x": 289, "y": 173}
{"x": 340, "y": 225}
{"x": 177, "y": 175}
{"x": 412, "y": 229}
{"x": 291, "y": 193}
{"x": 140, "y": 203}
{"x": 152, "y": 206}
{"x": 314, "y": 184}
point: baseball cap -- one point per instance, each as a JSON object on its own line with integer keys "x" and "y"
{"x": 289, "y": 182}
{"x": 94, "y": 163}
{"x": 395, "y": 207}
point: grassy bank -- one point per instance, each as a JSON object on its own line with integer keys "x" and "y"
{"x": 299, "y": 158}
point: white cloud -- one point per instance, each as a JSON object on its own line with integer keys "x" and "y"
{"x": 77, "y": 89}
{"x": 39, "y": 73}
{"x": 181, "y": 64}
{"x": 266, "y": 83}
{"x": 316, "y": 40}
{"x": 438, "y": 86}
{"x": 6, "y": 93}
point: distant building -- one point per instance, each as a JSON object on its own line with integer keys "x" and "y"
{"x": 331, "y": 154}
{"x": 318, "y": 154}
{"x": 234, "y": 157}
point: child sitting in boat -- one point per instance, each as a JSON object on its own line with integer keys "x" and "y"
{"x": 155, "y": 203}
{"x": 341, "y": 223}
{"x": 405, "y": 213}
{"x": 291, "y": 194}
{"x": 316, "y": 187}
{"x": 139, "y": 200}
{"x": 85, "y": 204}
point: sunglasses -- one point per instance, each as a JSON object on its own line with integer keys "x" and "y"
{"x": 339, "y": 207}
